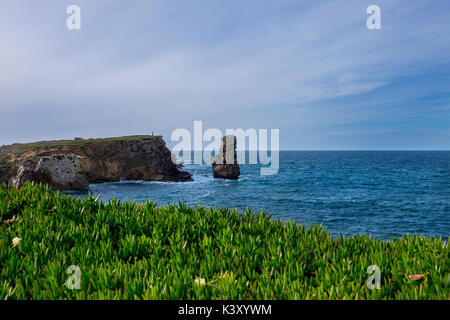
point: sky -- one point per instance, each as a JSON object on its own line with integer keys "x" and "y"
{"x": 311, "y": 69}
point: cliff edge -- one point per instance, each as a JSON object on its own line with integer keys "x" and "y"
{"x": 74, "y": 164}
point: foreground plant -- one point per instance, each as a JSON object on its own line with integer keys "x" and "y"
{"x": 141, "y": 251}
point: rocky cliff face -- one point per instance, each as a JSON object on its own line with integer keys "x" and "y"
{"x": 74, "y": 164}
{"x": 224, "y": 164}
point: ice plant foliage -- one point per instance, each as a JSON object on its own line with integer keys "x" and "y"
{"x": 141, "y": 251}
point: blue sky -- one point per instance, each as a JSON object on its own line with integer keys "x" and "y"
{"x": 309, "y": 68}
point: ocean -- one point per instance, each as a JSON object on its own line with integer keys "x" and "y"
{"x": 382, "y": 193}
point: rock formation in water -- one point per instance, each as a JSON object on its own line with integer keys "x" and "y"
{"x": 74, "y": 164}
{"x": 224, "y": 164}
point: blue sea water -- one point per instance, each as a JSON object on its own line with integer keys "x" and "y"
{"x": 382, "y": 193}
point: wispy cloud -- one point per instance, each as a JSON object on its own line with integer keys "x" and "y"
{"x": 143, "y": 66}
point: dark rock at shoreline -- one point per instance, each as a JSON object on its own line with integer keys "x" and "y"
{"x": 224, "y": 164}
{"x": 74, "y": 164}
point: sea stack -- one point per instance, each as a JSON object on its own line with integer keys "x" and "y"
{"x": 224, "y": 164}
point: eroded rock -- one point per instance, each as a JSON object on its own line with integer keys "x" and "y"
{"x": 224, "y": 164}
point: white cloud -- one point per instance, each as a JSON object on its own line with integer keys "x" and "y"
{"x": 161, "y": 65}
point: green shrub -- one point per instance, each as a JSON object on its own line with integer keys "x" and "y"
{"x": 141, "y": 251}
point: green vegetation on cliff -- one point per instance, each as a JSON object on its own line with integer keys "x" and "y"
{"x": 18, "y": 148}
{"x": 141, "y": 251}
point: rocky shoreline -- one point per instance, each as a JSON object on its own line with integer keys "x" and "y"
{"x": 74, "y": 164}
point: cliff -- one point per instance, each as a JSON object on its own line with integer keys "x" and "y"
{"x": 74, "y": 164}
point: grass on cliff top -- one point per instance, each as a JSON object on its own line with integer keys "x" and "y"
{"x": 18, "y": 148}
{"x": 141, "y": 251}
